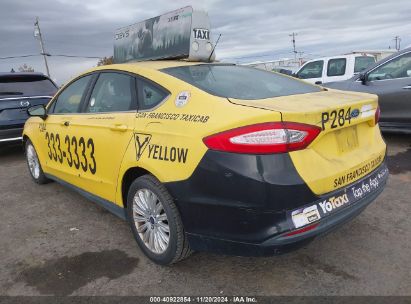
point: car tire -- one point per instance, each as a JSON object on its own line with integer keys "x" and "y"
{"x": 33, "y": 163}
{"x": 151, "y": 212}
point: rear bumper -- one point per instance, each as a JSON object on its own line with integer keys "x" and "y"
{"x": 12, "y": 134}
{"x": 280, "y": 244}
{"x": 251, "y": 214}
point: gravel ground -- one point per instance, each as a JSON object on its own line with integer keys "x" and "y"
{"x": 54, "y": 242}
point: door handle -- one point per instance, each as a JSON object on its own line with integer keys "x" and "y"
{"x": 119, "y": 128}
{"x": 65, "y": 123}
{"x": 318, "y": 82}
{"x": 408, "y": 87}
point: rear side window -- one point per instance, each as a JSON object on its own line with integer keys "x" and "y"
{"x": 150, "y": 95}
{"x": 113, "y": 92}
{"x": 70, "y": 98}
{"x": 336, "y": 67}
{"x": 26, "y": 85}
{"x": 239, "y": 82}
{"x": 312, "y": 70}
{"x": 362, "y": 63}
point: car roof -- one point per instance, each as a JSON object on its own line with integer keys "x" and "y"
{"x": 341, "y": 56}
{"x": 151, "y": 65}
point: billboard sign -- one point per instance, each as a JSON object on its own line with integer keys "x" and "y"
{"x": 169, "y": 36}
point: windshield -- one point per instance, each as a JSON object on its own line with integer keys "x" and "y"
{"x": 26, "y": 85}
{"x": 361, "y": 63}
{"x": 239, "y": 82}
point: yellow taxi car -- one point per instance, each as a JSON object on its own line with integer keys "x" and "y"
{"x": 211, "y": 156}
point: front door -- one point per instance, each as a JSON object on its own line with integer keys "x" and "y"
{"x": 392, "y": 83}
{"x": 86, "y": 142}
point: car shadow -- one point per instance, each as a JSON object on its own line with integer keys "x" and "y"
{"x": 11, "y": 150}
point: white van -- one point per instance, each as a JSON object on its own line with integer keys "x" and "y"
{"x": 336, "y": 68}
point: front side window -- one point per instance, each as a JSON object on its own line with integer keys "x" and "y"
{"x": 240, "y": 82}
{"x": 336, "y": 67}
{"x": 112, "y": 93}
{"x": 399, "y": 67}
{"x": 312, "y": 70}
{"x": 69, "y": 99}
{"x": 362, "y": 63}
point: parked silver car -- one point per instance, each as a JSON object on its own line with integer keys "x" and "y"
{"x": 390, "y": 79}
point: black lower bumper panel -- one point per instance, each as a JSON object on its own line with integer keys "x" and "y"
{"x": 239, "y": 205}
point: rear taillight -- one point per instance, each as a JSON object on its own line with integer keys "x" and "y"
{"x": 265, "y": 138}
{"x": 377, "y": 115}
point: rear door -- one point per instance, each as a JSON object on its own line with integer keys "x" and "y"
{"x": 336, "y": 70}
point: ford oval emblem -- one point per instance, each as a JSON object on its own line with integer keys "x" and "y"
{"x": 24, "y": 103}
{"x": 355, "y": 113}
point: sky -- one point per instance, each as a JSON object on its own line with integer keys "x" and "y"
{"x": 251, "y": 30}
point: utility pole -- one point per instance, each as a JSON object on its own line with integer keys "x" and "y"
{"x": 397, "y": 43}
{"x": 300, "y": 58}
{"x": 293, "y": 41}
{"x": 37, "y": 33}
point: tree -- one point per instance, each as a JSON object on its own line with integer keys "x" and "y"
{"x": 25, "y": 68}
{"x": 105, "y": 61}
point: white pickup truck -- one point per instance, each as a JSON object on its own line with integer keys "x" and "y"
{"x": 336, "y": 68}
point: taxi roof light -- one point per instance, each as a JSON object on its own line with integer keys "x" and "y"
{"x": 265, "y": 138}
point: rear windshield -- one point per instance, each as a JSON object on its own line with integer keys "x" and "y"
{"x": 361, "y": 63}
{"x": 239, "y": 82}
{"x": 27, "y": 85}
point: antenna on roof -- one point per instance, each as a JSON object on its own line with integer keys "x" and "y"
{"x": 215, "y": 45}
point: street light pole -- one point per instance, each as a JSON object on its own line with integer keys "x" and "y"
{"x": 37, "y": 33}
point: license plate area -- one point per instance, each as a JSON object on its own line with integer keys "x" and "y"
{"x": 347, "y": 139}
{"x": 338, "y": 200}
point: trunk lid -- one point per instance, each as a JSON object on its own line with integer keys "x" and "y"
{"x": 13, "y": 110}
{"x": 350, "y": 144}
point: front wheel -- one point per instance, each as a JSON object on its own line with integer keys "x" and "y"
{"x": 155, "y": 221}
{"x": 33, "y": 163}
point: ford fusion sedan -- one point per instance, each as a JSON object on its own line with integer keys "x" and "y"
{"x": 390, "y": 79}
{"x": 18, "y": 91}
{"x": 211, "y": 157}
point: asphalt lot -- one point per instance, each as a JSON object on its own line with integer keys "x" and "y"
{"x": 54, "y": 242}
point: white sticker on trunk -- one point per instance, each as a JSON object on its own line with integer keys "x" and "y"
{"x": 367, "y": 111}
{"x": 302, "y": 217}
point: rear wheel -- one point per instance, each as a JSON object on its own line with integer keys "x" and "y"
{"x": 33, "y": 163}
{"x": 155, "y": 221}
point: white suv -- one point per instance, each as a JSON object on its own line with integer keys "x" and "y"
{"x": 336, "y": 68}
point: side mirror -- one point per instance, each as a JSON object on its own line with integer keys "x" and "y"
{"x": 363, "y": 78}
{"x": 37, "y": 111}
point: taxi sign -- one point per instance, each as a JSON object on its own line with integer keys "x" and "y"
{"x": 180, "y": 34}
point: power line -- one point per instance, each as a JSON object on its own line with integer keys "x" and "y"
{"x": 258, "y": 56}
{"x": 51, "y": 55}
{"x": 20, "y": 56}
{"x": 74, "y": 56}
